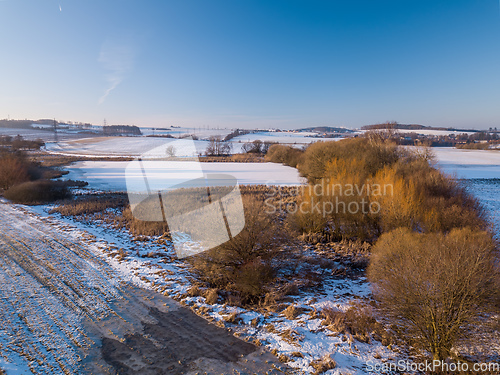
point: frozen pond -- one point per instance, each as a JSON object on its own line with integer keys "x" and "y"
{"x": 110, "y": 175}
{"x": 468, "y": 164}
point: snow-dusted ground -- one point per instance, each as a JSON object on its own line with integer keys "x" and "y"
{"x": 63, "y": 290}
{"x": 305, "y": 334}
{"x": 110, "y": 175}
{"x": 153, "y": 264}
{"x": 55, "y": 296}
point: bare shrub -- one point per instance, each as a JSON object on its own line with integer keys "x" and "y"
{"x": 357, "y": 320}
{"x": 211, "y": 296}
{"x": 244, "y": 265}
{"x": 376, "y": 152}
{"x": 435, "y": 286}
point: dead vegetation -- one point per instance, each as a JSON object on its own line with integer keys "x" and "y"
{"x": 323, "y": 365}
{"x": 36, "y": 192}
{"x": 87, "y": 205}
{"x": 357, "y": 322}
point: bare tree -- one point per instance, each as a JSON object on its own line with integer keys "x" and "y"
{"x": 170, "y": 151}
{"x": 435, "y": 286}
{"x": 217, "y": 147}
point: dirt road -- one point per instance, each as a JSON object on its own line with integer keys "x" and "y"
{"x": 63, "y": 309}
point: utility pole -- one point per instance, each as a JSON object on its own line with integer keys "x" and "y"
{"x": 55, "y": 130}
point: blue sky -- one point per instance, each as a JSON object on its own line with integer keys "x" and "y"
{"x": 236, "y": 63}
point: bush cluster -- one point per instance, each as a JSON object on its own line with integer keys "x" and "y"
{"x": 287, "y": 155}
{"x": 390, "y": 188}
{"x": 40, "y": 191}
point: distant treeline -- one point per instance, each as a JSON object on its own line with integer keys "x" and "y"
{"x": 16, "y": 124}
{"x": 19, "y": 143}
{"x": 107, "y": 130}
{"x": 236, "y": 133}
{"x": 396, "y": 126}
{"x": 121, "y": 129}
{"x": 326, "y": 129}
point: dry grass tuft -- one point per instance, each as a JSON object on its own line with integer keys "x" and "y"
{"x": 292, "y": 312}
{"x": 233, "y": 318}
{"x": 357, "y": 321}
{"x": 194, "y": 291}
{"x": 211, "y": 296}
{"x": 323, "y": 365}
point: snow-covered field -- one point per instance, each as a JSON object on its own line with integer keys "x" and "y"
{"x": 32, "y": 134}
{"x": 290, "y": 138}
{"x": 302, "y": 339}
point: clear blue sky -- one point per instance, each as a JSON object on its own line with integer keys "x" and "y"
{"x": 237, "y": 63}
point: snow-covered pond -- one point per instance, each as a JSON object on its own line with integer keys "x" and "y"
{"x": 110, "y": 175}
{"x": 468, "y": 164}
{"x": 479, "y": 171}
{"x": 488, "y": 192}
